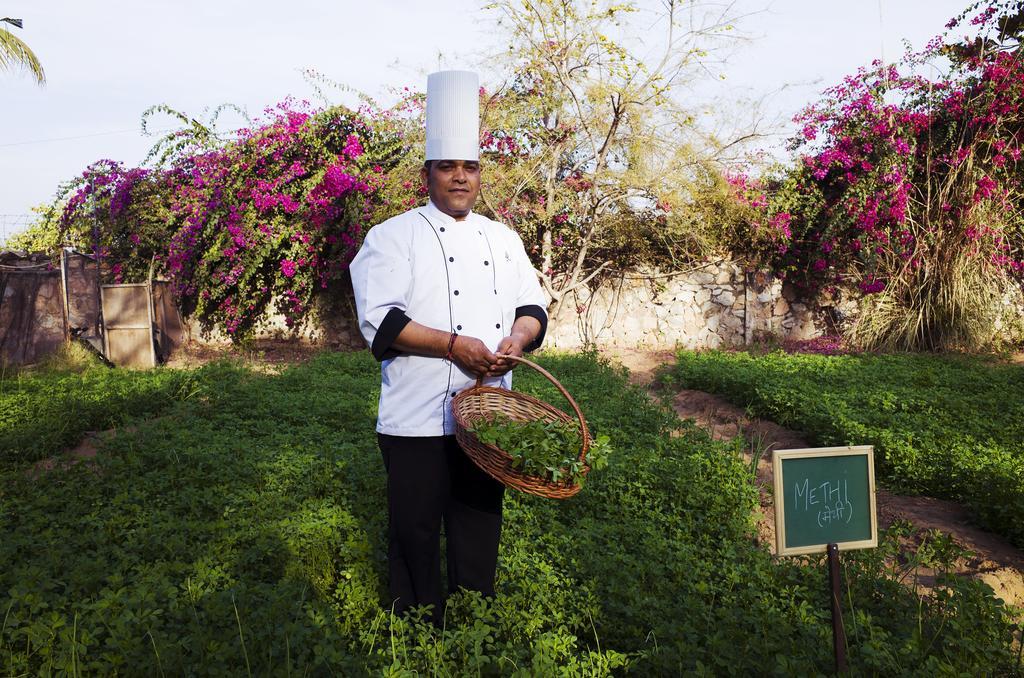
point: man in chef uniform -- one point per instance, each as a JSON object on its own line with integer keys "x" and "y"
{"x": 442, "y": 294}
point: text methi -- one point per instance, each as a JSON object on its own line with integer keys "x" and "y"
{"x": 830, "y": 499}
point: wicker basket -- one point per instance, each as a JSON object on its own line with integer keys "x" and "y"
{"x": 482, "y": 401}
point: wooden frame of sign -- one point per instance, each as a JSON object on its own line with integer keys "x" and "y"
{"x": 825, "y": 507}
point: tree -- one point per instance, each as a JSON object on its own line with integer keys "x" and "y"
{"x": 595, "y": 160}
{"x": 43, "y": 234}
{"x": 14, "y": 53}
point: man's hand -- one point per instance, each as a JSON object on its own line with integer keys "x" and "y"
{"x": 469, "y": 353}
{"x": 524, "y": 331}
{"x": 510, "y": 345}
{"x": 472, "y": 355}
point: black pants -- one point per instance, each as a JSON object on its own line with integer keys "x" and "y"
{"x": 431, "y": 480}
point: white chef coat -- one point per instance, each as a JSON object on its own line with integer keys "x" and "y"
{"x": 471, "y": 277}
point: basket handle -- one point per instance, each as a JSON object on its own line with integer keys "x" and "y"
{"x": 575, "y": 408}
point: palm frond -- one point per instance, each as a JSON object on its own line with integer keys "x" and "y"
{"x": 15, "y": 54}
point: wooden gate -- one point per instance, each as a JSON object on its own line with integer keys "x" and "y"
{"x": 128, "y": 324}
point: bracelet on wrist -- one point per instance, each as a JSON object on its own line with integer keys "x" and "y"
{"x": 451, "y": 345}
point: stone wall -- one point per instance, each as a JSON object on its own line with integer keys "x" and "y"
{"x": 716, "y": 305}
{"x": 1009, "y": 324}
{"x": 332, "y": 325}
{"x": 712, "y": 306}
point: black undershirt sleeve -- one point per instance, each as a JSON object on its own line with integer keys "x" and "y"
{"x": 537, "y": 312}
{"x": 392, "y": 325}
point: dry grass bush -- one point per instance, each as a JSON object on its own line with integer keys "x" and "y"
{"x": 952, "y": 300}
{"x": 950, "y": 305}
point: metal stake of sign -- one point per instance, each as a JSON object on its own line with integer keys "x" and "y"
{"x": 838, "y": 633}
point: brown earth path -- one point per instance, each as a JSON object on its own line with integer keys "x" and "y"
{"x": 992, "y": 559}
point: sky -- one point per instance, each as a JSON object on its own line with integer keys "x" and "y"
{"x": 108, "y": 61}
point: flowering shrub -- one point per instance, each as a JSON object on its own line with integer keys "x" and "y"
{"x": 120, "y": 215}
{"x": 272, "y": 216}
{"x": 907, "y": 191}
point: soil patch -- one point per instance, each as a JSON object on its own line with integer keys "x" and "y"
{"x": 264, "y": 355}
{"x": 84, "y": 452}
{"x": 992, "y": 559}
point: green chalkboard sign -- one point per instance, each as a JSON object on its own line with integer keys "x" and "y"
{"x": 823, "y": 496}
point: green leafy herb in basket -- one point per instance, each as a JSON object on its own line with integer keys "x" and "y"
{"x": 545, "y": 449}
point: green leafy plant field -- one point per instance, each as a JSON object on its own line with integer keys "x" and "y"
{"x": 946, "y": 426}
{"x": 45, "y": 411}
{"x": 242, "y": 532}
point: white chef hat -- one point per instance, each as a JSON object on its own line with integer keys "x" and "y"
{"x": 453, "y": 116}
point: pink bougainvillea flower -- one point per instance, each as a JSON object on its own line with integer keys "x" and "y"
{"x": 353, "y": 147}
